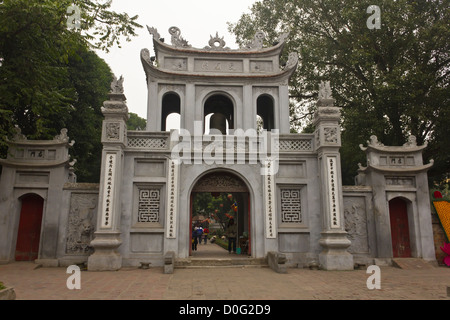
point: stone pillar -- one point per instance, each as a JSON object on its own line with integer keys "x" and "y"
{"x": 334, "y": 241}
{"x": 153, "y": 110}
{"x": 107, "y": 236}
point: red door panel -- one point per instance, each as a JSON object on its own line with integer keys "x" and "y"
{"x": 27, "y": 246}
{"x": 399, "y": 228}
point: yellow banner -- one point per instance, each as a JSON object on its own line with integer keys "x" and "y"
{"x": 443, "y": 211}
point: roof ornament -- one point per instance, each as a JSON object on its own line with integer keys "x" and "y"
{"x": 325, "y": 90}
{"x": 18, "y": 135}
{"x": 293, "y": 60}
{"x": 257, "y": 42}
{"x": 283, "y": 37}
{"x": 176, "y": 38}
{"x": 216, "y": 43}
{"x": 412, "y": 142}
{"x": 374, "y": 141}
{"x": 63, "y": 137}
{"x": 117, "y": 85}
{"x": 154, "y": 32}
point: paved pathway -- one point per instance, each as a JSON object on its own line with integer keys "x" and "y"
{"x": 224, "y": 283}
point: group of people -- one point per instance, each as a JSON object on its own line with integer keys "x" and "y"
{"x": 199, "y": 233}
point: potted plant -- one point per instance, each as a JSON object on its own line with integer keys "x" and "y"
{"x": 6, "y": 293}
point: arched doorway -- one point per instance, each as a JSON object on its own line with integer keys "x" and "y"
{"x": 227, "y": 196}
{"x": 265, "y": 112}
{"x": 398, "y": 215}
{"x": 171, "y": 104}
{"x": 29, "y": 232}
{"x": 220, "y": 111}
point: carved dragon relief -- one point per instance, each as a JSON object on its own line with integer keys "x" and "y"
{"x": 176, "y": 38}
{"x": 81, "y": 227}
{"x": 356, "y": 224}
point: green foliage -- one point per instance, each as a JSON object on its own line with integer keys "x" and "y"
{"x": 206, "y": 204}
{"x": 135, "y": 122}
{"x": 91, "y": 77}
{"x": 34, "y": 88}
{"x": 222, "y": 243}
{"x": 390, "y": 82}
{"x": 50, "y": 78}
{"x": 102, "y": 27}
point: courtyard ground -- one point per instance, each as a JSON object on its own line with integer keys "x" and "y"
{"x": 31, "y": 282}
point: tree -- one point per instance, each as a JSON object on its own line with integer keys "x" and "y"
{"x": 390, "y": 82}
{"x": 135, "y": 122}
{"x": 35, "y": 45}
{"x": 91, "y": 78}
{"x": 216, "y": 206}
{"x": 42, "y": 88}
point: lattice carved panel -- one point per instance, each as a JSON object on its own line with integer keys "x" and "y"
{"x": 149, "y": 205}
{"x": 291, "y": 206}
{"x": 148, "y": 143}
{"x": 294, "y": 145}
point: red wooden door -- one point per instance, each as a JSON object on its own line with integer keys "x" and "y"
{"x": 399, "y": 228}
{"x": 27, "y": 246}
{"x": 249, "y": 228}
{"x": 191, "y": 205}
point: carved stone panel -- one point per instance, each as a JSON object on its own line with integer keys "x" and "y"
{"x": 113, "y": 131}
{"x": 257, "y": 66}
{"x": 333, "y": 193}
{"x": 220, "y": 182}
{"x": 108, "y": 191}
{"x": 400, "y": 181}
{"x": 218, "y": 66}
{"x": 356, "y": 224}
{"x": 177, "y": 64}
{"x": 331, "y": 135}
{"x": 81, "y": 223}
{"x": 172, "y": 200}
{"x": 291, "y": 205}
{"x": 149, "y": 205}
{"x": 270, "y": 199}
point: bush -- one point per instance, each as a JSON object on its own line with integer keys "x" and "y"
{"x": 222, "y": 243}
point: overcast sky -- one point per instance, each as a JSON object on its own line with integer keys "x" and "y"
{"x": 197, "y": 20}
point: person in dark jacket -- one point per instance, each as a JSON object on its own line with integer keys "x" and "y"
{"x": 231, "y": 234}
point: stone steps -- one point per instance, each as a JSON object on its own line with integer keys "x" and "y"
{"x": 220, "y": 262}
{"x": 411, "y": 264}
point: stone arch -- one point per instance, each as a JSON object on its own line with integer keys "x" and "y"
{"x": 29, "y": 227}
{"x": 224, "y": 180}
{"x": 221, "y": 105}
{"x": 171, "y": 103}
{"x": 401, "y": 222}
{"x": 265, "y": 109}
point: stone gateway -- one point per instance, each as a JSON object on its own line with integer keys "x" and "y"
{"x": 233, "y": 137}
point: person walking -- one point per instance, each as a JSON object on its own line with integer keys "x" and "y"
{"x": 199, "y": 234}
{"x": 194, "y": 239}
{"x": 205, "y": 234}
{"x": 231, "y": 234}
